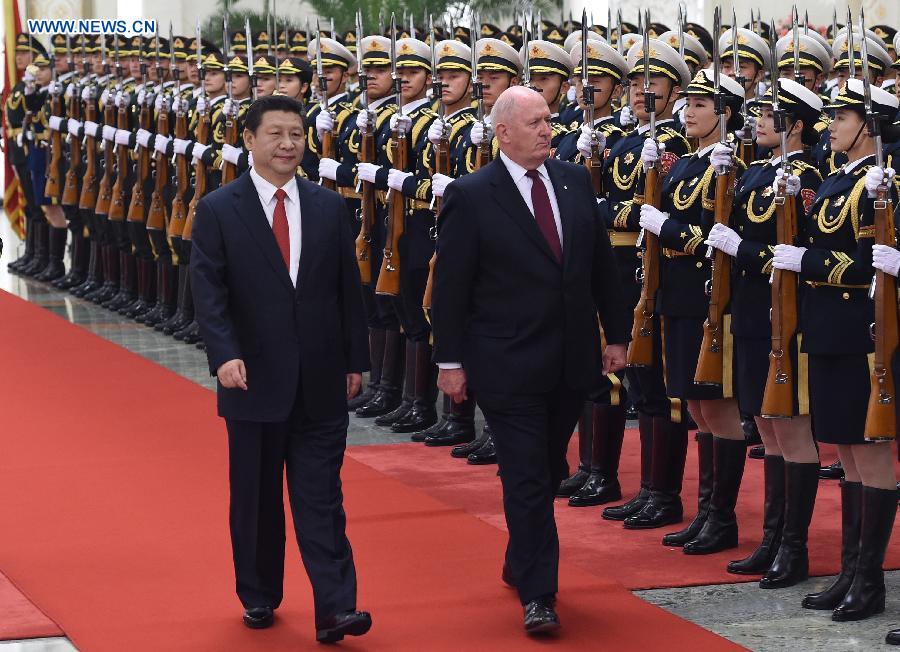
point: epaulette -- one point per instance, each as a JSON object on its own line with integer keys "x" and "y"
{"x": 463, "y": 120}
{"x": 761, "y": 161}
{"x": 385, "y": 114}
{"x": 426, "y": 117}
{"x": 667, "y": 133}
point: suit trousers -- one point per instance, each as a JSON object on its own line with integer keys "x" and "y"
{"x": 531, "y": 436}
{"x": 312, "y": 452}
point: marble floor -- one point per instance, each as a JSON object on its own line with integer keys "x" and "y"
{"x": 764, "y": 621}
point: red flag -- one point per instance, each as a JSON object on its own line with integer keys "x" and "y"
{"x": 13, "y": 197}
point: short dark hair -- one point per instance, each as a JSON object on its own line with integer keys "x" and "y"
{"x": 271, "y": 103}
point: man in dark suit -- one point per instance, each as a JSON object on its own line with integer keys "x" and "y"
{"x": 524, "y": 268}
{"x": 279, "y": 304}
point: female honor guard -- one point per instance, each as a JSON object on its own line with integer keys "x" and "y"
{"x": 791, "y": 464}
{"x": 682, "y": 225}
{"x": 837, "y": 313}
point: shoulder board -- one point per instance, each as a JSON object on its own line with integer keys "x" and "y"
{"x": 426, "y": 117}
{"x": 385, "y": 114}
{"x": 667, "y": 133}
{"x": 759, "y": 162}
{"x": 459, "y": 124}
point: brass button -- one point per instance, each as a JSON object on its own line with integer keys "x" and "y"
{"x": 810, "y": 239}
{"x": 743, "y": 272}
{"x": 845, "y": 295}
{"x": 699, "y": 264}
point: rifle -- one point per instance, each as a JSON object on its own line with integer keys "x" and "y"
{"x": 157, "y": 217}
{"x": 389, "y": 277}
{"x": 595, "y": 162}
{"x": 778, "y": 398}
{"x": 104, "y": 194}
{"x": 881, "y": 417}
{"x": 746, "y": 146}
{"x": 179, "y": 210}
{"x": 88, "y": 198}
{"x": 136, "y": 212}
{"x": 229, "y": 170}
{"x": 640, "y": 350}
{"x": 711, "y": 363}
{"x": 484, "y": 155}
{"x": 441, "y": 159}
{"x": 250, "y": 55}
{"x": 367, "y": 155}
{"x": 52, "y": 187}
{"x": 117, "y": 201}
{"x": 71, "y": 190}
{"x": 329, "y": 137}
{"x": 203, "y": 126}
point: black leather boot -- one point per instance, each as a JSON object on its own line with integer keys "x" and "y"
{"x": 791, "y": 564}
{"x": 633, "y": 506}
{"x": 423, "y": 413}
{"x": 866, "y": 595}
{"x": 409, "y": 382}
{"x": 41, "y": 249}
{"x": 80, "y": 262}
{"x": 180, "y": 274}
{"x": 486, "y": 453}
{"x": 146, "y": 290}
{"x": 127, "y": 282}
{"x": 460, "y": 426}
{"x": 585, "y": 439}
{"x": 166, "y": 294}
{"x": 670, "y": 441}
{"x": 704, "y": 492}
{"x": 851, "y": 515}
{"x": 720, "y": 532}
{"x": 387, "y": 396}
{"x": 25, "y": 259}
{"x": 893, "y": 637}
{"x": 439, "y": 426}
{"x": 834, "y": 471}
{"x": 602, "y": 485}
{"x": 95, "y": 290}
{"x": 186, "y": 303}
{"x": 95, "y": 279}
{"x": 376, "y": 359}
{"x": 190, "y": 334}
{"x": 56, "y": 267}
{"x": 760, "y": 560}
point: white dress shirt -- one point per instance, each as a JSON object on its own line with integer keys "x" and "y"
{"x": 266, "y": 192}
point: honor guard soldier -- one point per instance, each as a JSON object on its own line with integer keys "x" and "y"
{"x": 336, "y": 62}
{"x": 572, "y": 115}
{"x": 550, "y": 68}
{"x": 835, "y": 262}
{"x": 791, "y": 463}
{"x": 694, "y": 56}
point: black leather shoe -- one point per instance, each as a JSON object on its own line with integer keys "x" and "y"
{"x": 661, "y": 510}
{"x": 347, "y": 623}
{"x": 598, "y": 490}
{"x": 396, "y": 414}
{"x": 457, "y": 433}
{"x": 832, "y": 472}
{"x": 757, "y": 452}
{"x": 418, "y": 419}
{"x": 893, "y": 637}
{"x": 464, "y": 450}
{"x": 258, "y": 617}
{"x": 484, "y": 455}
{"x": 540, "y": 617}
{"x": 573, "y": 483}
{"x": 632, "y": 507}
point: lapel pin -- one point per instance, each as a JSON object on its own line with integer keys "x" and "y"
{"x": 565, "y": 187}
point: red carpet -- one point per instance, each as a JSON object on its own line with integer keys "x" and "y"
{"x": 637, "y": 559}
{"x": 20, "y": 618}
{"x": 114, "y": 514}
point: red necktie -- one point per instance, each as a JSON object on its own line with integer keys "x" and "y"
{"x": 543, "y": 213}
{"x": 280, "y": 227}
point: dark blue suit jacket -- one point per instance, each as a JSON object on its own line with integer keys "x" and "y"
{"x": 247, "y": 307}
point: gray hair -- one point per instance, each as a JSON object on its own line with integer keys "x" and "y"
{"x": 504, "y": 108}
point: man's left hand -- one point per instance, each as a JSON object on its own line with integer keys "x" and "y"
{"x": 613, "y": 358}
{"x": 453, "y": 383}
{"x": 354, "y": 382}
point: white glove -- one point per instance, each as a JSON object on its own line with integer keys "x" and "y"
{"x": 55, "y": 122}
{"x": 28, "y": 77}
{"x": 650, "y": 153}
{"x": 886, "y": 258}
{"x": 179, "y": 145}
{"x": 142, "y": 138}
{"x": 54, "y": 87}
{"x": 626, "y": 117}
{"x": 90, "y": 128}
{"x": 228, "y": 106}
{"x": 104, "y": 96}
{"x": 231, "y": 153}
{"x": 571, "y": 93}
{"x": 479, "y": 133}
{"x": 141, "y": 96}
{"x": 791, "y": 181}
{"x": 73, "y": 126}
{"x": 724, "y": 239}
{"x": 324, "y": 123}
{"x": 652, "y": 218}
{"x": 721, "y": 156}
{"x": 436, "y": 130}
{"x": 70, "y": 91}
{"x": 748, "y": 131}
{"x": 161, "y": 144}
{"x": 362, "y": 121}
{"x": 123, "y": 136}
{"x": 367, "y": 171}
{"x": 679, "y": 114}
{"x": 396, "y": 121}
{"x": 198, "y": 150}
{"x": 109, "y": 133}
{"x": 584, "y": 141}
{"x": 87, "y": 93}
{"x": 123, "y": 99}
{"x": 876, "y": 177}
{"x": 328, "y": 168}
{"x": 788, "y": 257}
{"x": 178, "y": 103}
{"x": 161, "y": 103}
{"x": 396, "y": 179}
{"x": 439, "y": 183}
{"x": 202, "y": 105}
{"x": 19, "y": 140}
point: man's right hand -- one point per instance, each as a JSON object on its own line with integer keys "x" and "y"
{"x": 453, "y": 383}
{"x": 233, "y": 374}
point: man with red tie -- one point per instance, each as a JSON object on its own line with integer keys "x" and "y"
{"x": 524, "y": 268}
{"x": 279, "y": 304}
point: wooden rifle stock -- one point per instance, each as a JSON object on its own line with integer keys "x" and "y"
{"x": 104, "y": 193}
{"x": 881, "y": 420}
{"x": 640, "y": 349}
{"x": 199, "y": 180}
{"x": 53, "y": 187}
{"x": 747, "y": 151}
{"x": 88, "y": 198}
{"x": 710, "y": 364}
{"x": 71, "y": 191}
{"x": 483, "y": 157}
{"x": 595, "y": 167}
{"x": 389, "y": 277}
{"x": 366, "y": 214}
{"x": 157, "y": 217}
{"x": 179, "y": 210}
{"x": 442, "y": 166}
{"x": 117, "y": 201}
{"x": 328, "y": 140}
{"x": 138, "y": 200}
{"x": 229, "y": 170}
{"x": 778, "y": 398}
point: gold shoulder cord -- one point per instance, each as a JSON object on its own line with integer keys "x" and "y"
{"x": 625, "y": 183}
{"x": 684, "y": 204}
{"x": 759, "y": 218}
{"x": 827, "y": 225}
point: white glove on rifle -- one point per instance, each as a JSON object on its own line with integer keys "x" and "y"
{"x": 123, "y": 99}
{"x": 123, "y": 137}
{"x": 652, "y": 218}
{"x": 104, "y": 96}
{"x": 90, "y": 128}
{"x": 479, "y": 133}
{"x": 202, "y": 105}
{"x": 143, "y": 138}
{"x": 180, "y": 145}
{"x": 178, "y": 104}
{"x": 250, "y": 159}
{"x": 876, "y": 177}
{"x": 403, "y": 122}
{"x": 724, "y": 239}
{"x": 54, "y": 87}
{"x": 70, "y": 91}
{"x": 161, "y": 143}
{"x": 161, "y": 103}
{"x": 722, "y": 156}
{"x": 436, "y": 131}
{"x": 141, "y": 96}
{"x": 886, "y": 258}
{"x": 748, "y": 131}
{"x": 229, "y": 107}
{"x": 328, "y": 168}
{"x": 362, "y": 121}
{"x": 231, "y": 153}
{"x": 626, "y": 117}
{"x": 396, "y": 179}
{"x": 324, "y": 123}
{"x": 791, "y": 182}
{"x": 87, "y": 93}
{"x": 367, "y": 171}
{"x": 788, "y": 257}
{"x": 73, "y": 126}
{"x": 198, "y": 151}
{"x": 55, "y": 122}
{"x": 584, "y": 141}
{"x": 650, "y": 153}
{"x": 109, "y": 133}
{"x": 439, "y": 183}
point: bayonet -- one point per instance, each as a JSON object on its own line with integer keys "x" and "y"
{"x": 777, "y": 113}
{"x": 323, "y": 83}
{"x": 526, "y": 64}
{"x": 269, "y": 23}
{"x": 201, "y": 70}
{"x": 806, "y": 22}
{"x": 871, "y": 119}
{"x": 394, "y": 77}
{"x": 158, "y": 65}
{"x": 587, "y": 91}
{"x": 680, "y": 31}
{"x": 649, "y": 95}
{"x": 477, "y": 86}
{"x": 717, "y": 81}
{"x": 173, "y": 66}
{"x": 333, "y": 35}
{"x": 620, "y": 44}
{"x": 250, "y": 56}
{"x": 226, "y": 43}
{"x": 799, "y": 77}
{"x": 851, "y": 61}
